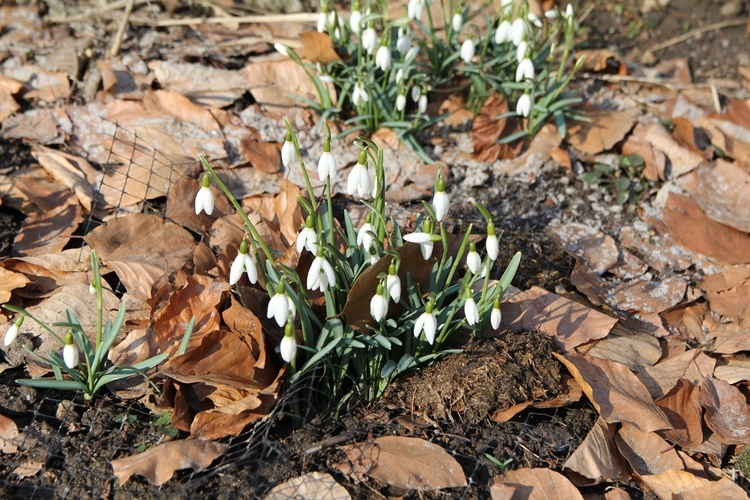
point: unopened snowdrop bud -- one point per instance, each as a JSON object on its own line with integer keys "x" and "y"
{"x": 321, "y": 275}
{"x": 411, "y": 54}
{"x": 534, "y": 19}
{"x": 322, "y": 21}
{"x": 70, "y": 352}
{"x": 502, "y": 35}
{"x": 517, "y": 31}
{"x": 393, "y": 284}
{"x": 525, "y": 70}
{"x": 523, "y": 47}
{"x": 12, "y": 332}
{"x": 308, "y": 238}
{"x": 383, "y": 58}
{"x": 378, "y": 304}
{"x": 401, "y": 102}
{"x": 243, "y": 263}
{"x": 471, "y": 311}
{"x": 281, "y": 307}
{"x": 403, "y": 42}
{"x": 423, "y": 103}
{"x": 457, "y": 21}
{"x": 492, "y": 245}
{"x": 496, "y": 316}
{"x": 473, "y": 260}
{"x": 204, "y": 200}
{"x": 506, "y": 3}
{"x": 467, "y": 50}
{"x": 359, "y": 94}
{"x": 366, "y": 234}
{"x": 92, "y": 288}
{"x": 427, "y": 323}
{"x": 440, "y": 202}
{"x": 281, "y": 49}
{"x": 568, "y": 14}
{"x": 359, "y": 178}
{"x": 551, "y": 14}
{"x": 414, "y": 9}
{"x": 354, "y": 19}
{"x": 416, "y": 93}
{"x": 370, "y": 40}
{"x": 400, "y": 76}
{"x": 327, "y": 163}
{"x": 523, "y": 107}
{"x": 288, "y": 345}
{"x": 288, "y": 151}
{"x": 424, "y": 239}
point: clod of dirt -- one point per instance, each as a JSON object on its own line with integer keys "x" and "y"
{"x": 490, "y": 375}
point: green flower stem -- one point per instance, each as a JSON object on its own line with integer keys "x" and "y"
{"x": 313, "y": 199}
{"x": 456, "y": 262}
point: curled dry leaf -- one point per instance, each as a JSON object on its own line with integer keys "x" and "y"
{"x": 538, "y": 484}
{"x": 678, "y": 483}
{"x": 647, "y": 453}
{"x": 161, "y": 462}
{"x": 8, "y": 436}
{"x": 728, "y": 293}
{"x": 693, "y": 365}
{"x": 313, "y": 485}
{"x": 602, "y": 61}
{"x": 727, "y": 411}
{"x": 682, "y": 406}
{"x": 632, "y": 349}
{"x": 48, "y": 232}
{"x": 10, "y": 281}
{"x": 71, "y": 171}
{"x": 733, "y": 370}
{"x": 532, "y": 159}
{"x": 681, "y": 160}
{"x": 202, "y": 83}
{"x": 487, "y": 129}
{"x": 654, "y": 159}
{"x": 48, "y": 272}
{"x": 318, "y": 47}
{"x": 279, "y": 82}
{"x": 596, "y": 250}
{"x": 597, "y": 458}
{"x": 648, "y": 296}
{"x": 404, "y": 462}
{"x": 605, "y": 129}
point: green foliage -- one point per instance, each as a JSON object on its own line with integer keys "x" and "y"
{"x": 626, "y": 182}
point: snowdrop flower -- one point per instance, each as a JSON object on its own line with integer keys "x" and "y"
{"x": 92, "y": 288}
{"x": 551, "y": 14}
{"x": 374, "y": 257}
{"x": 288, "y": 151}
{"x": 502, "y": 34}
{"x": 383, "y": 58}
{"x": 326, "y": 79}
{"x": 70, "y": 352}
{"x": 473, "y": 260}
{"x": 416, "y": 93}
{"x": 525, "y": 70}
{"x": 281, "y": 307}
{"x": 534, "y": 19}
{"x": 568, "y": 14}
{"x": 427, "y": 323}
{"x": 401, "y": 102}
{"x": 322, "y": 21}
{"x": 281, "y": 49}
{"x": 496, "y": 316}
{"x": 320, "y": 276}
{"x": 457, "y": 21}
{"x": 403, "y": 42}
{"x": 354, "y": 19}
{"x": 411, "y": 53}
{"x": 393, "y": 284}
{"x": 523, "y": 47}
{"x": 423, "y": 103}
{"x": 492, "y": 245}
{"x": 359, "y": 94}
{"x": 378, "y": 304}
{"x": 204, "y": 200}
{"x": 506, "y": 3}
{"x": 308, "y": 238}
{"x": 414, "y": 9}
{"x": 471, "y": 311}
{"x": 467, "y": 50}
{"x": 288, "y": 345}
{"x": 12, "y": 332}
{"x": 523, "y": 107}
{"x": 370, "y": 40}
{"x": 440, "y": 202}
{"x": 327, "y": 163}
{"x": 243, "y": 263}
{"x": 517, "y": 31}
{"x": 424, "y": 239}
{"x": 366, "y": 234}
{"x": 359, "y": 178}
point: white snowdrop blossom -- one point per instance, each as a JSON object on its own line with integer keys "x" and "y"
{"x": 327, "y": 168}
{"x": 568, "y": 14}
{"x": 354, "y": 19}
{"x": 281, "y": 49}
{"x": 378, "y": 304}
{"x": 401, "y": 102}
{"x": 551, "y": 14}
{"x": 288, "y": 345}
{"x": 70, "y": 352}
{"x": 92, "y": 289}
{"x": 411, "y": 54}
{"x": 517, "y": 31}
{"x": 457, "y": 22}
{"x": 534, "y": 19}
{"x": 440, "y": 201}
{"x": 322, "y": 21}
{"x": 374, "y": 257}
{"x": 473, "y": 260}
{"x": 492, "y": 245}
{"x": 427, "y": 323}
{"x": 326, "y": 79}
{"x": 400, "y": 76}
{"x": 414, "y": 9}
{"x": 502, "y": 34}
{"x": 204, "y": 199}
{"x": 471, "y": 311}
{"x": 308, "y": 238}
{"x": 467, "y": 50}
{"x": 496, "y": 316}
{"x": 288, "y": 151}
{"x": 243, "y": 263}
{"x": 383, "y": 58}
{"x": 423, "y": 103}
{"x": 403, "y": 42}
{"x": 366, "y": 235}
{"x": 424, "y": 239}
{"x": 370, "y": 40}
{"x": 280, "y": 307}
{"x": 523, "y": 107}
{"x": 359, "y": 94}
{"x": 506, "y": 3}
{"x": 416, "y": 93}
{"x": 12, "y": 332}
{"x": 523, "y": 47}
{"x": 393, "y": 284}
{"x": 359, "y": 178}
{"x": 320, "y": 276}
{"x": 525, "y": 70}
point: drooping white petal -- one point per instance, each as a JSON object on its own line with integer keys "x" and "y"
{"x": 473, "y": 261}
{"x": 430, "y": 327}
{"x": 471, "y": 311}
{"x": 416, "y": 93}
{"x": 495, "y": 318}
{"x": 354, "y": 19}
{"x": 467, "y": 50}
{"x": 418, "y": 238}
{"x": 457, "y": 22}
{"x": 403, "y": 44}
{"x": 278, "y": 308}
{"x": 281, "y": 49}
{"x": 313, "y": 275}
{"x": 329, "y": 274}
{"x": 238, "y": 267}
{"x": 492, "y": 245}
{"x": 327, "y": 166}
{"x": 322, "y": 22}
{"x": 393, "y": 287}
{"x": 426, "y": 249}
{"x": 288, "y": 154}
{"x": 70, "y": 355}
{"x": 523, "y": 107}
{"x": 370, "y": 40}
{"x": 252, "y": 272}
{"x": 378, "y": 307}
{"x": 521, "y": 50}
{"x": 517, "y": 31}
{"x": 440, "y": 203}
{"x": 10, "y": 335}
{"x": 422, "y": 103}
{"x": 502, "y": 34}
{"x": 383, "y": 58}
{"x": 366, "y": 236}
{"x": 400, "y": 102}
{"x": 204, "y": 201}
{"x": 288, "y": 348}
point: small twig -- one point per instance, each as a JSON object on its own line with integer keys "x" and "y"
{"x": 664, "y": 82}
{"x": 117, "y": 40}
{"x": 303, "y": 17}
{"x": 117, "y": 5}
{"x": 697, "y": 31}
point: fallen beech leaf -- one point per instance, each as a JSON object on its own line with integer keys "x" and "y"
{"x": 728, "y": 293}
{"x": 733, "y": 370}
{"x": 538, "y": 153}
{"x": 648, "y": 296}
{"x": 9, "y": 281}
{"x": 732, "y": 338}
{"x": 635, "y": 351}
{"x": 48, "y": 86}
{"x": 46, "y": 273}
{"x": 691, "y": 228}
{"x": 313, "y": 485}
{"x": 159, "y": 463}
{"x": 727, "y": 411}
{"x": 684, "y": 134}
{"x": 71, "y": 171}
{"x": 723, "y": 488}
{"x": 605, "y": 129}
{"x": 487, "y": 129}
{"x": 654, "y": 159}
{"x": 318, "y": 47}
{"x": 682, "y": 407}
{"x": 569, "y": 323}
{"x": 262, "y": 155}
{"x": 539, "y": 484}
{"x": 616, "y": 393}
{"x": 597, "y": 457}
{"x": 596, "y": 250}
{"x": 179, "y": 106}
{"x": 681, "y": 484}
{"x": 732, "y": 147}
{"x": 403, "y": 462}
{"x": 573, "y": 395}
{"x": 48, "y": 232}
{"x": 279, "y": 82}
{"x": 202, "y": 83}
{"x": 647, "y": 453}
{"x": 602, "y": 61}
{"x": 682, "y": 160}
{"x": 8, "y": 436}
{"x": 693, "y": 365}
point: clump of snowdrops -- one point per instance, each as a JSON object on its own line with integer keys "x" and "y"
{"x": 83, "y": 365}
{"x": 390, "y": 68}
{"x": 417, "y": 292}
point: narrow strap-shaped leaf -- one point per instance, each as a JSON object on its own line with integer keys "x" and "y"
{"x": 186, "y": 337}
{"x": 48, "y": 383}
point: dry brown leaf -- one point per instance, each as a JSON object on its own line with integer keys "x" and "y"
{"x": 455, "y": 107}
{"x": 635, "y": 351}
{"x": 141, "y": 248}
{"x": 279, "y": 82}
{"x": 48, "y": 86}
{"x": 9, "y": 281}
{"x": 200, "y": 82}
{"x": 647, "y": 453}
{"x": 724, "y": 488}
{"x": 734, "y": 369}
{"x": 315, "y": 485}
{"x": 681, "y": 484}
{"x": 731, "y": 146}
{"x": 684, "y": 134}
{"x": 46, "y": 273}
{"x": 691, "y": 228}
{"x": 682, "y": 407}
{"x": 48, "y": 232}
{"x": 616, "y": 393}
{"x": 263, "y": 156}
{"x": 602, "y": 61}
{"x": 487, "y": 129}
{"x": 596, "y": 250}
{"x": 533, "y": 158}
{"x": 693, "y": 365}
{"x": 682, "y": 160}
{"x": 728, "y": 293}
{"x": 605, "y": 129}
{"x": 648, "y": 296}
{"x": 727, "y": 411}
{"x": 74, "y": 173}
{"x": 539, "y": 484}
{"x": 41, "y": 126}
{"x": 654, "y": 159}
{"x": 8, "y": 436}
{"x": 159, "y": 463}
{"x": 179, "y": 106}
{"x": 597, "y": 458}
{"x": 8, "y": 105}
{"x": 569, "y": 323}
{"x": 318, "y": 47}
{"x": 573, "y": 395}
{"x": 403, "y": 462}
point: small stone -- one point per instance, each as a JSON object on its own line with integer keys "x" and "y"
{"x": 731, "y": 8}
